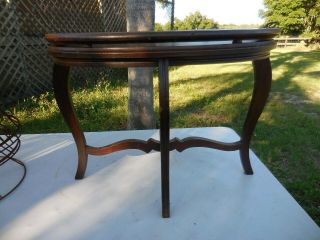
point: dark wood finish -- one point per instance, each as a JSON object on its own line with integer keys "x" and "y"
{"x": 262, "y": 85}
{"x": 146, "y": 146}
{"x": 162, "y": 49}
{"x": 64, "y": 101}
{"x": 173, "y": 62}
{"x": 165, "y": 36}
{"x": 164, "y": 134}
{"x": 152, "y": 144}
{"x": 180, "y": 47}
{"x": 189, "y": 142}
{"x": 183, "y": 53}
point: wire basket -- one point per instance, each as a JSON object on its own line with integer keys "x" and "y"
{"x": 10, "y": 143}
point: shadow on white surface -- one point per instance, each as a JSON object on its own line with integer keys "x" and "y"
{"x": 120, "y": 196}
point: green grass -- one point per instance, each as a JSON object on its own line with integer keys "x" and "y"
{"x": 287, "y": 137}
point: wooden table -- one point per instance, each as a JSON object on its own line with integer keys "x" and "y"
{"x": 162, "y": 49}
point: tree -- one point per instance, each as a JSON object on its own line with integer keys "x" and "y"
{"x": 312, "y": 20}
{"x": 198, "y": 21}
{"x": 167, "y": 4}
{"x": 292, "y": 17}
{"x": 193, "y": 21}
{"x": 158, "y": 27}
{"x": 140, "y": 17}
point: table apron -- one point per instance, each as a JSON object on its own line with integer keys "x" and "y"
{"x": 154, "y": 62}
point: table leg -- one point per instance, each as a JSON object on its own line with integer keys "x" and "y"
{"x": 61, "y": 87}
{"x": 262, "y": 85}
{"x": 164, "y": 135}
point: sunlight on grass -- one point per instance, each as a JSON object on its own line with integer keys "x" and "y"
{"x": 287, "y": 137}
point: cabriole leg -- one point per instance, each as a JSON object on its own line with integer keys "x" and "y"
{"x": 262, "y": 85}
{"x": 61, "y": 87}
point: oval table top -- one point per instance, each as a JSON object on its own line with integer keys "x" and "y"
{"x": 127, "y": 49}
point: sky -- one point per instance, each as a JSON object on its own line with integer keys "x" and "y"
{"x": 221, "y": 11}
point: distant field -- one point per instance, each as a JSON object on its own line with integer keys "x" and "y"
{"x": 287, "y": 137}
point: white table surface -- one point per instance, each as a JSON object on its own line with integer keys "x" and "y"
{"x": 120, "y": 196}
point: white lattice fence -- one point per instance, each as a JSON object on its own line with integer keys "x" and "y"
{"x": 25, "y": 68}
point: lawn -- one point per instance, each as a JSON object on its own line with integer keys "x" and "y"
{"x": 287, "y": 137}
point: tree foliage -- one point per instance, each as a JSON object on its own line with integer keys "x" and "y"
{"x": 165, "y": 3}
{"x": 168, "y": 5}
{"x": 293, "y": 16}
{"x": 196, "y": 21}
{"x": 239, "y": 26}
{"x": 193, "y": 21}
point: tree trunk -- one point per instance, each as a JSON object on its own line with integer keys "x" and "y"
{"x": 140, "y": 17}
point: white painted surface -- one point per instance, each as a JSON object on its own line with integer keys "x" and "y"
{"x": 120, "y": 197}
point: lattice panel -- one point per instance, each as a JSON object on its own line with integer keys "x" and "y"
{"x": 25, "y": 67}
{"x": 12, "y": 82}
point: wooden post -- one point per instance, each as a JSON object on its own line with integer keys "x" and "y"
{"x": 285, "y": 42}
{"x": 140, "y": 17}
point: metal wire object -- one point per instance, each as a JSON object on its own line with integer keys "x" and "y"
{"x": 10, "y": 143}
